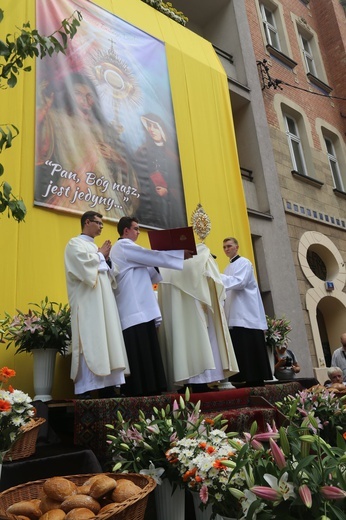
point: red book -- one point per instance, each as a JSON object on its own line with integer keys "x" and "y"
{"x": 170, "y": 239}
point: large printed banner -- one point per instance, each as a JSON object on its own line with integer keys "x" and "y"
{"x": 105, "y": 130}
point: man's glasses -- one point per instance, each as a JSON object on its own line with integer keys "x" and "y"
{"x": 97, "y": 222}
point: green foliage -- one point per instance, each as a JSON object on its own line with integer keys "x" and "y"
{"x": 320, "y": 408}
{"x": 14, "y": 52}
{"x": 47, "y": 325}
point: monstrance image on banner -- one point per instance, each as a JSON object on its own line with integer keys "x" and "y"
{"x": 105, "y": 131}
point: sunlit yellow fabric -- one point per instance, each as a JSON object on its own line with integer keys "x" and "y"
{"x": 32, "y": 252}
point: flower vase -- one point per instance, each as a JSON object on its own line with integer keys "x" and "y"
{"x": 44, "y": 365}
{"x": 205, "y": 514}
{"x": 168, "y": 506}
{"x": 2, "y": 456}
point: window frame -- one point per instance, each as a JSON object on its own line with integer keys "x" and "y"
{"x": 295, "y": 138}
{"x": 309, "y": 59}
{"x": 333, "y": 160}
{"x": 269, "y": 28}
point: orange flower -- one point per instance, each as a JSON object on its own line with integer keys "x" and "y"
{"x": 209, "y": 421}
{"x": 10, "y": 389}
{"x": 5, "y": 406}
{"x": 6, "y": 373}
{"x": 344, "y": 435}
{"x": 218, "y": 464}
{"x": 202, "y": 445}
{"x": 188, "y": 474}
{"x": 210, "y": 449}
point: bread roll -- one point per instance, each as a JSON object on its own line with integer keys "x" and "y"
{"x": 102, "y": 486}
{"x": 93, "y": 478}
{"x": 124, "y": 490}
{"x": 59, "y": 488}
{"x": 26, "y": 508}
{"x": 74, "y": 501}
{"x": 53, "y": 514}
{"x": 84, "y": 489}
{"x": 47, "y": 503}
{"x": 80, "y": 513}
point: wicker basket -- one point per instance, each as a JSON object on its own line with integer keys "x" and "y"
{"x": 131, "y": 509}
{"x": 25, "y": 445}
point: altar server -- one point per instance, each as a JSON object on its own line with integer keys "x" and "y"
{"x": 138, "y": 308}
{"x": 246, "y": 317}
{"x": 99, "y": 359}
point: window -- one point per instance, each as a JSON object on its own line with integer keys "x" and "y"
{"x": 295, "y": 145}
{"x": 270, "y": 29}
{"x": 308, "y": 56}
{"x": 334, "y": 165}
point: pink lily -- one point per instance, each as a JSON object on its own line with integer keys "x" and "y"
{"x": 266, "y": 493}
{"x": 175, "y": 409}
{"x": 278, "y": 455}
{"x": 305, "y": 495}
{"x": 266, "y": 436}
{"x": 254, "y": 443}
{"x": 332, "y": 493}
{"x": 272, "y": 429}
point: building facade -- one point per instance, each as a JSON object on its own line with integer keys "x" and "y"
{"x": 286, "y": 68}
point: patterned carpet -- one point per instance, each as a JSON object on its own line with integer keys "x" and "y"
{"x": 91, "y": 416}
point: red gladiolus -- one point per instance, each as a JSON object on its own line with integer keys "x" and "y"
{"x": 305, "y": 495}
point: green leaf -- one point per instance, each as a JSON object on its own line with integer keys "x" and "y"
{"x": 12, "y": 81}
{"x": 4, "y": 50}
{"x": 7, "y": 190}
{"x": 1, "y": 169}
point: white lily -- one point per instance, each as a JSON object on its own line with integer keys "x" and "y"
{"x": 286, "y": 489}
{"x": 153, "y": 472}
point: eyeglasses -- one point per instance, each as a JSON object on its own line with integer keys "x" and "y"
{"x": 98, "y": 222}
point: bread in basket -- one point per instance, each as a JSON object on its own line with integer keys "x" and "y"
{"x": 131, "y": 509}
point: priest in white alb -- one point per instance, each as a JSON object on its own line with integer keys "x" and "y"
{"x": 195, "y": 342}
{"x": 99, "y": 360}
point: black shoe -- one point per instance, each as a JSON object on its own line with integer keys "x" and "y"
{"x": 86, "y": 395}
{"x": 107, "y": 393}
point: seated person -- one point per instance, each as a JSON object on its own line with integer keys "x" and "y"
{"x": 335, "y": 381}
{"x": 286, "y": 365}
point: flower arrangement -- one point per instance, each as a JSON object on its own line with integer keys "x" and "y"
{"x": 141, "y": 445}
{"x": 168, "y": 9}
{"x": 15, "y": 411}
{"x": 205, "y": 464}
{"x": 47, "y": 325}
{"x": 284, "y": 474}
{"x": 321, "y": 410}
{"x": 277, "y": 332}
{"x": 293, "y": 475}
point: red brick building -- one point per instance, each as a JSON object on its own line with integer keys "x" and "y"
{"x": 286, "y": 64}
